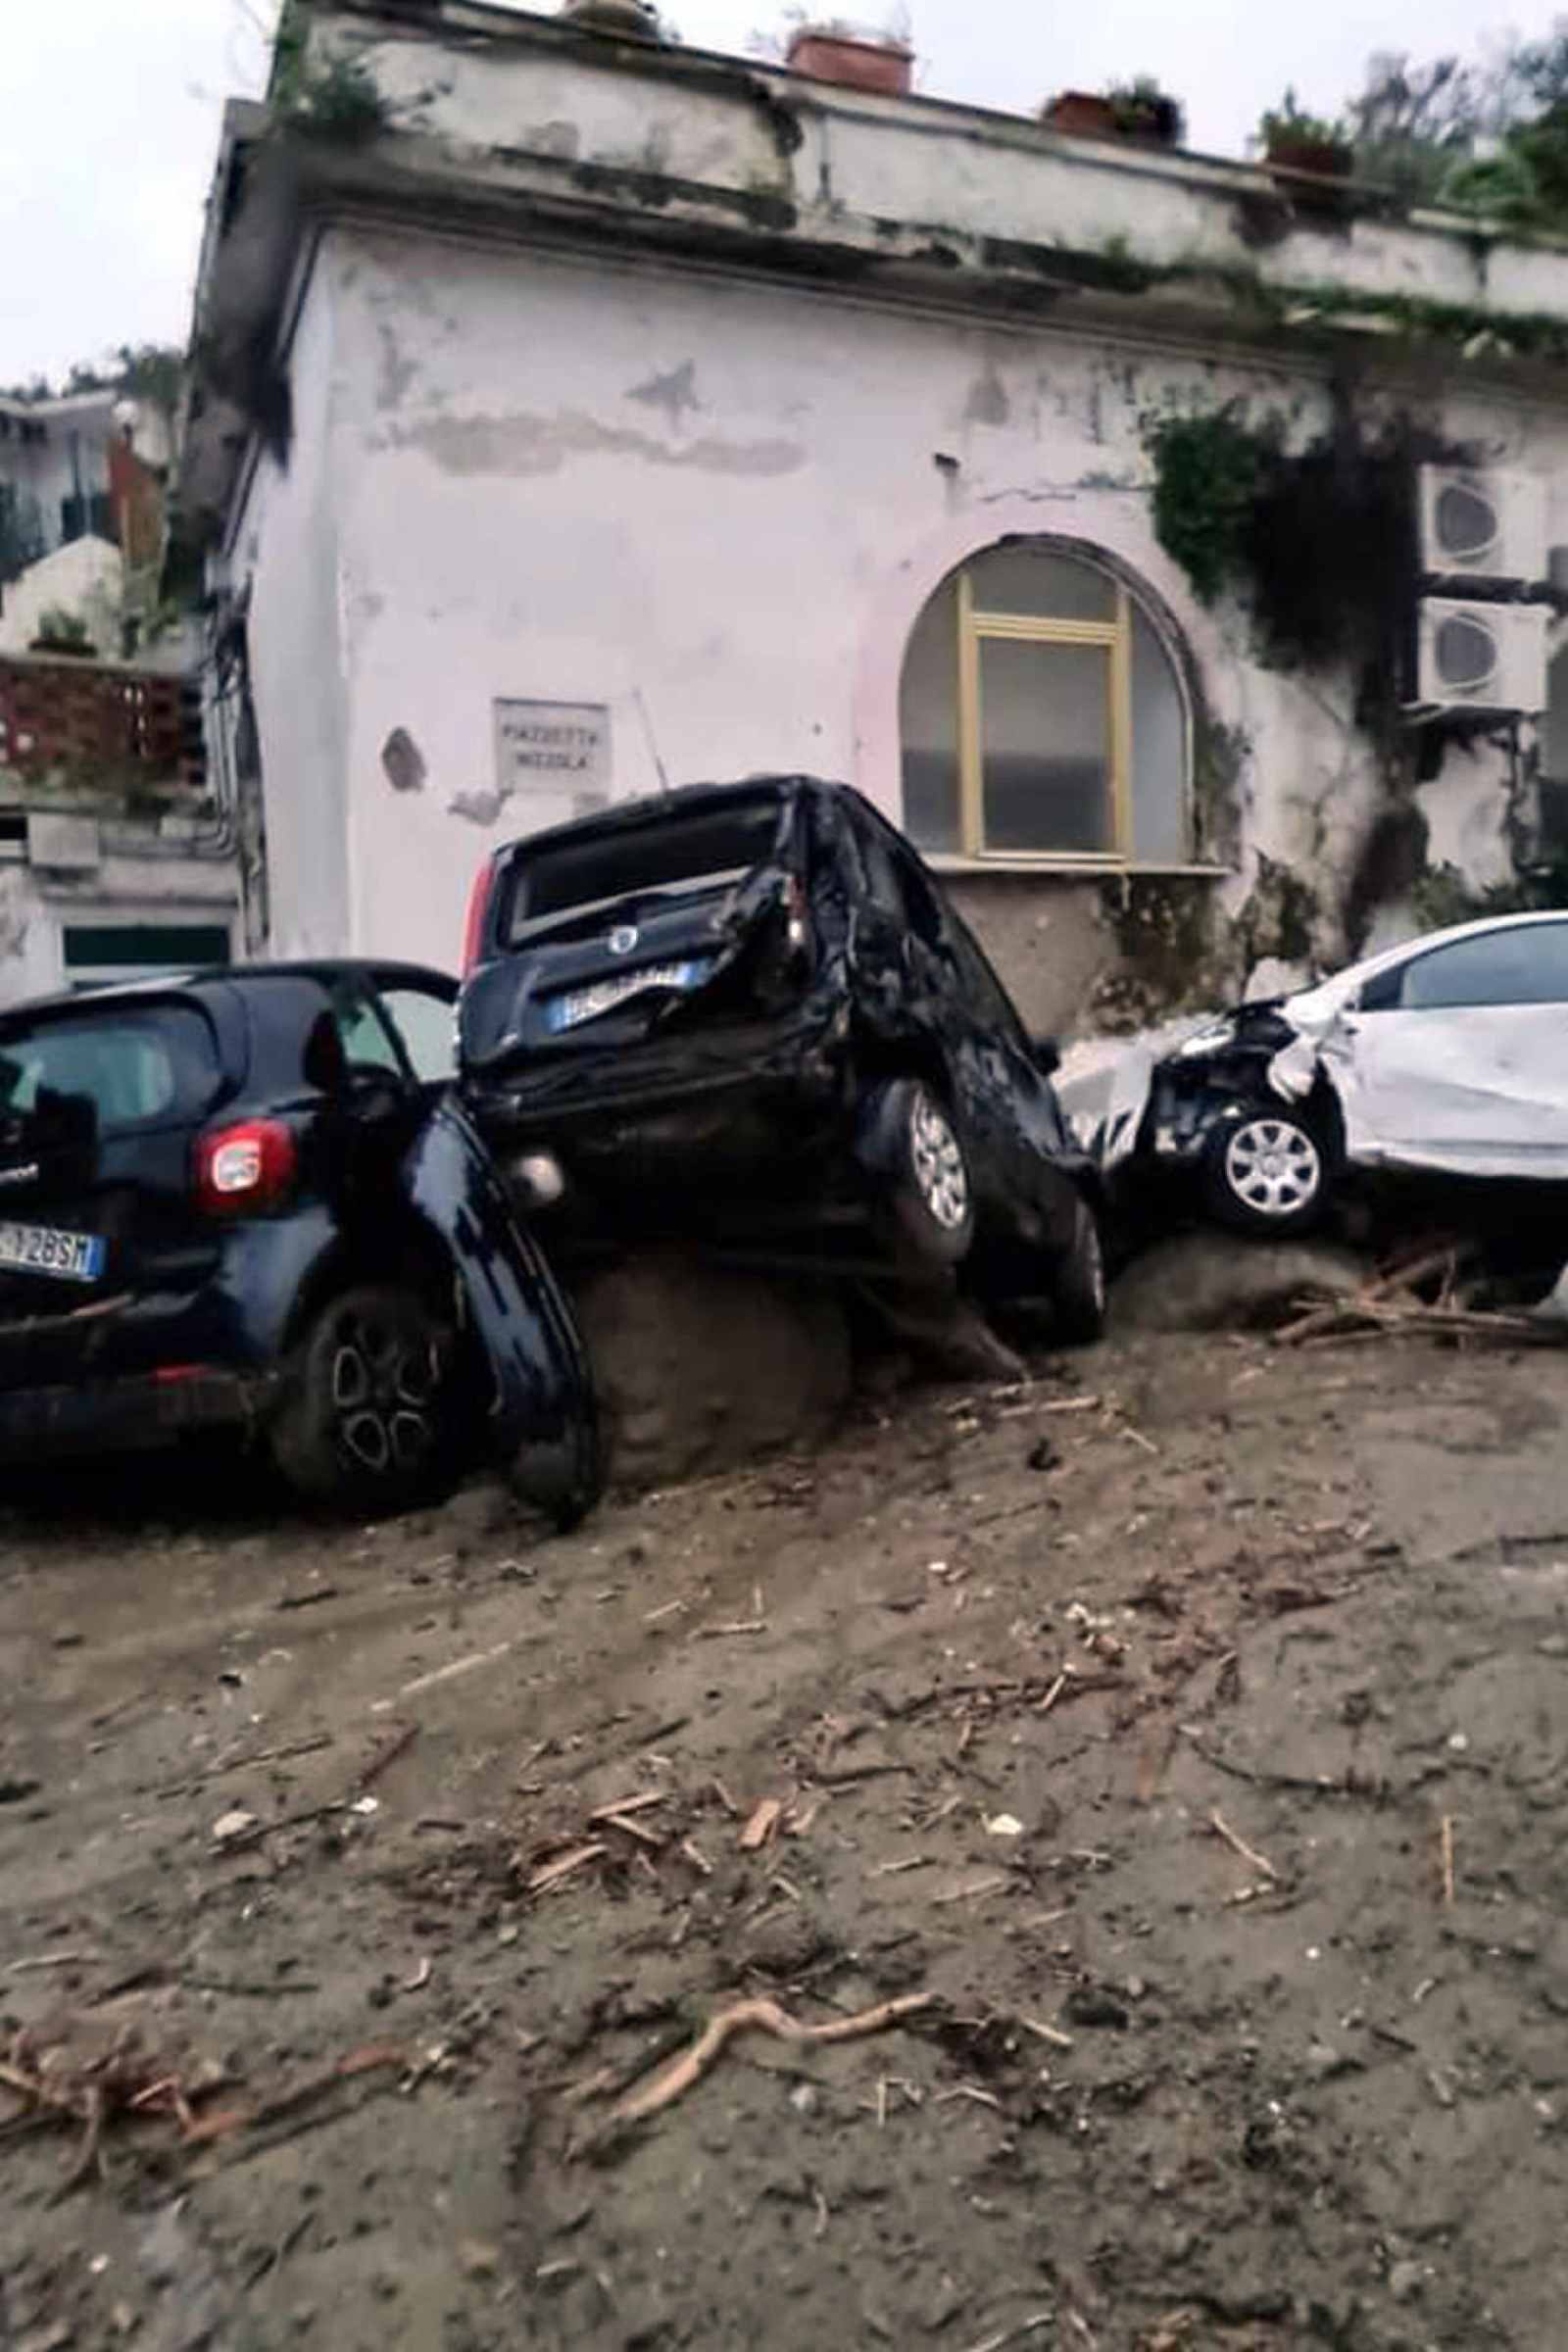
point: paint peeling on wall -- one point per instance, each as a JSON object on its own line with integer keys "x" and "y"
{"x": 530, "y": 444}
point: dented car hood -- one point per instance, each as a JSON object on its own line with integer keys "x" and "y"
{"x": 1471, "y": 1089}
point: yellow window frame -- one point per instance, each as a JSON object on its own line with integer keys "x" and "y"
{"x": 1115, "y": 636}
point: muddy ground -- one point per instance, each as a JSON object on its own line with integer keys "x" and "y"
{"x": 1006, "y": 1661}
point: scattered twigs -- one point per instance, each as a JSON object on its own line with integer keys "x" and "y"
{"x": 1389, "y": 1303}
{"x": 551, "y": 1874}
{"x": 1445, "y": 1856}
{"x": 385, "y": 1755}
{"x": 1238, "y": 1845}
{"x": 762, "y": 2016}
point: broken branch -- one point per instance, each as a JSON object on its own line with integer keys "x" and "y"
{"x": 764, "y": 2017}
{"x": 1238, "y": 1845}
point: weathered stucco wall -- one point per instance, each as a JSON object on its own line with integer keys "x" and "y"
{"x": 138, "y": 881}
{"x": 714, "y": 506}
{"x": 285, "y": 546}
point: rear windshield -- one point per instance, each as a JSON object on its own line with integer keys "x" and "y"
{"x": 689, "y": 849}
{"x": 134, "y": 1068}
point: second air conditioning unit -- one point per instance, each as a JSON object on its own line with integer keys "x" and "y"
{"x": 1483, "y": 657}
{"x": 1478, "y": 525}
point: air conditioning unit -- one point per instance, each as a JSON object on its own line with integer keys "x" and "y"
{"x": 1482, "y": 525}
{"x": 1483, "y": 657}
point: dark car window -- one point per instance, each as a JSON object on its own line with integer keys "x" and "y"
{"x": 426, "y": 1025}
{"x": 136, "y": 1067}
{"x": 1526, "y": 965}
{"x": 686, "y": 848}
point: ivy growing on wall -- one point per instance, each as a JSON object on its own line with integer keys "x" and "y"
{"x": 1319, "y": 542}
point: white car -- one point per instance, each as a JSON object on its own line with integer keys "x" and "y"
{"x": 1448, "y": 1055}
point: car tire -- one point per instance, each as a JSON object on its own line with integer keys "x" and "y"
{"x": 367, "y": 1422}
{"x": 1267, "y": 1172}
{"x": 1078, "y": 1282}
{"x": 930, "y": 1193}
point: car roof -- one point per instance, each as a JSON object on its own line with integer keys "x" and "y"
{"x": 385, "y": 971}
{"x": 1386, "y": 957}
{"x": 685, "y": 800}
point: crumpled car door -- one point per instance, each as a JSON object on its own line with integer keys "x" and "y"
{"x": 1429, "y": 1081}
{"x": 543, "y": 1430}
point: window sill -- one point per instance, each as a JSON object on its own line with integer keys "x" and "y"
{"x": 1070, "y": 869}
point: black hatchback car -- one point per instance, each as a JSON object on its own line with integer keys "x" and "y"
{"x": 250, "y": 1200}
{"x": 743, "y": 1009}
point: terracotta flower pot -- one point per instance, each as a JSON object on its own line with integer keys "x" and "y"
{"x": 1318, "y": 158}
{"x": 1082, "y": 115}
{"x": 883, "y": 67}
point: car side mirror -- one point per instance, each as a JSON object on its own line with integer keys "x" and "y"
{"x": 1047, "y": 1053}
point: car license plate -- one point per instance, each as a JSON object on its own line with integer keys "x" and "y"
{"x": 586, "y": 1004}
{"x": 42, "y": 1250}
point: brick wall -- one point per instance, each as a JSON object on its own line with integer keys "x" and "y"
{"x": 95, "y": 719}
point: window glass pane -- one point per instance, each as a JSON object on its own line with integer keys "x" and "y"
{"x": 427, "y": 1026}
{"x": 667, "y": 852}
{"x": 1044, "y": 744}
{"x": 1047, "y": 587}
{"x": 133, "y": 1069}
{"x": 367, "y": 1045}
{"x": 928, "y": 725}
{"x": 1159, "y": 752}
{"x": 1524, "y": 966}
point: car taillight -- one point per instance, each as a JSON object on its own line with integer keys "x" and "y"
{"x": 243, "y": 1170}
{"x": 479, "y": 910}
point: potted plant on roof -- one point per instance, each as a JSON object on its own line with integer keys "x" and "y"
{"x": 1298, "y": 145}
{"x": 62, "y": 632}
{"x": 1142, "y": 111}
{"x": 637, "y": 18}
{"x": 830, "y": 49}
{"x": 1128, "y": 110}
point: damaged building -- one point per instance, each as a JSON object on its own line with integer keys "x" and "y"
{"x": 1174, "y": 547}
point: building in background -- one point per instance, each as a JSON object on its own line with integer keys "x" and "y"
{"x": 581, "y": 413}
{"x": 114, "y": 856}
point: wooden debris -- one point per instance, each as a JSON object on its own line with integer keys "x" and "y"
{"x": 1446, "y": 1854}
{"x": 762, "y": 1825}
{"x": 641, "y": 1803}
{"x": 387, "y": 1755}
{"x": 1052, "y": 2033}
{"x": 633, "y": 1829}
{"x": 551, "y": 1874}
{"x": 764, "y": 2017}
{"x": 1388, "y": 1303}
{"x": 967, "y": 2091}
{"x": 1238, "y": 1845}
{"x": 975, "y": 1889}
{"x": 696, "y": 1858}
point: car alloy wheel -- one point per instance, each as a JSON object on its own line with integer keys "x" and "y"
{"x": 367, "y": 1417}
{"x": 937, "y": 1163}
{"x": 384, "y": 1384}
{"x": 1273, "y": 1168}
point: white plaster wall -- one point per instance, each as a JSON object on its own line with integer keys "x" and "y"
{"x": 592, "y": 484}
{"x": 86, "y": 578}
{"x": 715, "y": 505}
{"x": 124, "y": 888}
{"x": 285, "y": 545}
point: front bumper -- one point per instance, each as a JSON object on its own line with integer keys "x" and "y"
{"x": 139, "y": 1411}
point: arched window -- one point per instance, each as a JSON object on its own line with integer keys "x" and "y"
{"x": 1040, "y": 716}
